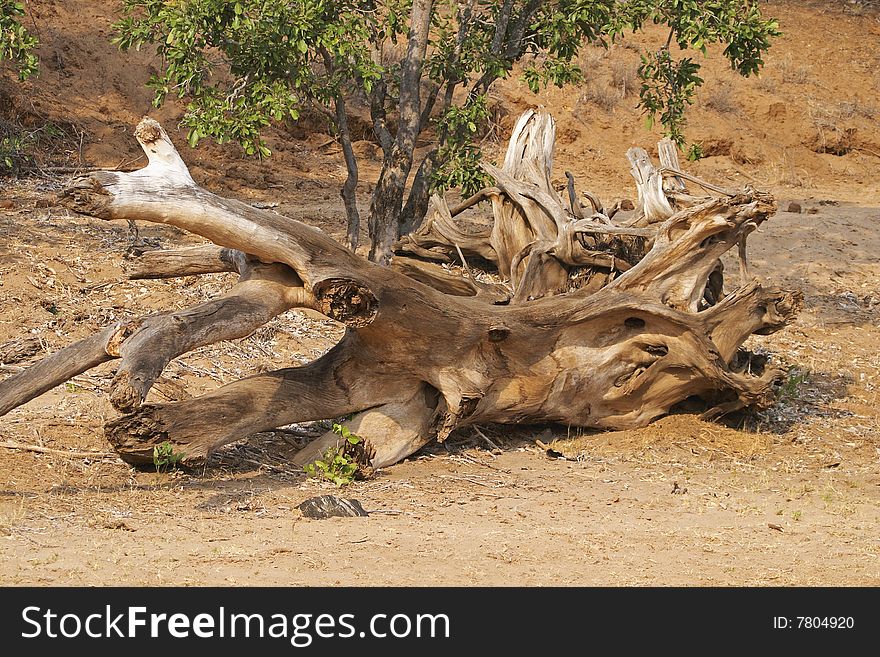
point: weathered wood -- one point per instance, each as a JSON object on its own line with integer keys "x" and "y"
{"x": 61, "y": 366}
{"x": 678, "y": 173}
{"x": 667, "y": 152}
{"x": 479, "y": 197}
{"x": 653, "y": 205}
{"x": 444, "y": 281}
{"x": 324, "y": 265}
{"x": 688, "y": 245}
{"x": 425, "y": 352}
{"x": 20, "y": 349}
{"x": 438, "y": 236}
{"x": 574, "y": 205}
{"x": 263, "y": 292}
{"x": 196, "y": 427}
{"x": 392, "y": 431}
{"x": 196, "y": 260}
{"x": 523, "y": 218}
{"x": 147, "y": 345}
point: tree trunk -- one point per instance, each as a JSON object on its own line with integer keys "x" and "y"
{"x": 387, "y": 201}
{"x": 416, "y": 207}
{"x": 349, "y": 189}
{"x": 599, "y": 324}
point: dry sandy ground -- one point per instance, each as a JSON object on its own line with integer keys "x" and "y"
{"x": 788, "y": 496}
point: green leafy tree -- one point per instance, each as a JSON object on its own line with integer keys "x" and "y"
{"x": 16, "y": 44}
{"x": 417, "y": 64}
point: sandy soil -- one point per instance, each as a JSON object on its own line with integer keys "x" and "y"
{"x": 787, "y": 496}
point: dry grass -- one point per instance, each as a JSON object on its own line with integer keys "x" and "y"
{"x": 794, "y": 72}
{"x": 766, "y": 84}
{"x": 832, "y": 133}
{"x": 29, "y": 142}
{"x": 848, "y": 109}
{"x": 625, "y": 76}
{"x": 785, "y": 173}
{"x": 860, "y": 7}
{"x": 600, "y": 95}
{"x": 591, "y": 60}
{"x": 828, "y": 117}
{"x": 609, "y": 77}
{"x": 720, "y": 99}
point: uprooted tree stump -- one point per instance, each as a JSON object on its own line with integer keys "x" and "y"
{"x": 596, "y": 323}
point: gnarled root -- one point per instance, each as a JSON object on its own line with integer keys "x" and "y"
{"x": 600, "y": 322}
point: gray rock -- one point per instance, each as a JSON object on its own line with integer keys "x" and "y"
{"x": 330, "y": 506}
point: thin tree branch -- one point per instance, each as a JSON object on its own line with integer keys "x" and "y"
{"x": 11, "y": 444}
{"x": 699, "y": 181}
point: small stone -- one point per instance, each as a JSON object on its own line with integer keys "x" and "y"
{"x": 330, "y": 506}
{"x": 6, "y": 203}
{"x": 795, "y": 207}
{"x": 812, "y": 210}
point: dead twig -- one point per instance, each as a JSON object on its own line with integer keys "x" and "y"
{"x": 471, "y": 459}
{"x": 11, "y": 444}
{"x": 486, "y": 438}
{"x": 669, "y": 171}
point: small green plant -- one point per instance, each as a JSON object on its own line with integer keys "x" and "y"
{"x": 695, "y": 152}
{"x": 796, "y": 515}
{"x": 21, "y": 147}
{"x": 720, "y": 99}
{"x": 165, "y": 457}
{"x": 337, "y": 464}
{"x": 14, "y": 153}
{"x": 796, "y": 377}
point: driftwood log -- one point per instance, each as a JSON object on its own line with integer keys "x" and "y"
{"x": 591, "y": 320}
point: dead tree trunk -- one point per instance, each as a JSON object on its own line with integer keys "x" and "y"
{"x": 599, "y": 323}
